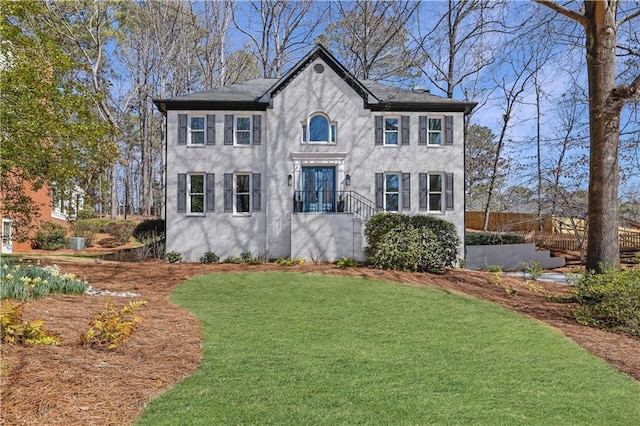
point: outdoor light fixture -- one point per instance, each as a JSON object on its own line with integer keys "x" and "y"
{"x": 347, "y": 180}
{"x": 290, "y": 180}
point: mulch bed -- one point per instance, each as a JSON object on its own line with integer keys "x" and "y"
{"x": 70, "y": 384}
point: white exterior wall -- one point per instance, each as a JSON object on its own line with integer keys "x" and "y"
{"x": 282, "y": 153}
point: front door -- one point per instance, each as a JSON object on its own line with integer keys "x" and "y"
{"x": 318, "y": 189}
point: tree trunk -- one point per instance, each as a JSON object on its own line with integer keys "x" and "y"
{"x": 604, "y": 117}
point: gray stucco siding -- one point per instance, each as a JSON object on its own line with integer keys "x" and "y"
{"x": 275, "y": 231}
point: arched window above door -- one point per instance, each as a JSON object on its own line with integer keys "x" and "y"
{"x": 318, "y": 129}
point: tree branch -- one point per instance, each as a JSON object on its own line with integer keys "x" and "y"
{"x": 564, "y": 11}
{"x": 628, "y": 17}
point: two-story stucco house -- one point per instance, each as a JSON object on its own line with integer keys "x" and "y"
{"x": 293, "y": 167}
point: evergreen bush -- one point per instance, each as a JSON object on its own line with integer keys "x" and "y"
{"x": 50, "y": 236}
{"x": 411, "y": 243}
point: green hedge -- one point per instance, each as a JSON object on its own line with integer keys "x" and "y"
{"x": 411, "y": 243}
{"x": 492, "y": 239}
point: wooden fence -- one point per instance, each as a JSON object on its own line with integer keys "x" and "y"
{"x": 629, "y": 241}
{"x": 505, "y": 221}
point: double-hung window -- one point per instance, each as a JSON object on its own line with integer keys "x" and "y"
{"x": 243, "y": 131}
{"x": 391, "y": 128}
{"x": 196, "y": 131}
{"x": 242, "y": 193}
{"x": 436, "y": 192}
{"x": 195, "y": 201}
{"x": 196, "y": 193}
{"x": 391, "y": 192}
{"x": 434, "y": 131}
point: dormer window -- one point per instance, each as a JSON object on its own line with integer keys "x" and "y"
{"x": 318, "y": 129}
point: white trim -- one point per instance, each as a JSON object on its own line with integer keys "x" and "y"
{"x": 249, "y": 130}
{"x": 249, "y": 193}
{"x": 189, "y": 193}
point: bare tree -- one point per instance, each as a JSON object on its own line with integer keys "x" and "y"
{"x": 277, "y": 30}
{"x": 601, "y": 24}
{"x": 371, "y": 38}
{"x": 463, "y": 42}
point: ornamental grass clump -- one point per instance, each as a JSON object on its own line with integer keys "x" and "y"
{"x": 24, "y": 282}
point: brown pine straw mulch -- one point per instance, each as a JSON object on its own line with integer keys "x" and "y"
{"x": 74, "y": 385}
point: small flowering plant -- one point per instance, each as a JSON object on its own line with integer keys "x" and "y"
{"x": 24, "y": 282}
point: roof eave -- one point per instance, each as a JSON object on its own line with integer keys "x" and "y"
{"x": 166, "y": 104}
{"x": 465, "y": 107}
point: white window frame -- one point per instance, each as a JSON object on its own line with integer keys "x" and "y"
{"x": 249, "y": 131}
{"x": 441, "y": 192}
{"x": 249, "y": 193}
{"x": 191, "y": 130}
{"x": 435, "y": 132}
{"x": 191, "y": 194}
{"x": 398, "y": 192}
{"x": 385, "y": 132}
{"x": 332, "y": 130}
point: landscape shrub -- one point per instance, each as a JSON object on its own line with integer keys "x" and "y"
{"x": 121, "y": 231}
{"x": 149, "y": 227}
{"x": 14, "y": 331}
{"x": 610, "y": 300}
{"x": 173, "y": 257}
{"x": 246, "y": 257}
{"x": 411, "y": 243}
{"x": 24, "y": 282}
{"x": 85, "y": 213}
{"x": 111, "y": 328}
{"x": 50, "y": 236}
{"x": 87, "y": 229}
{"x": 346, "y": 262}
{"x": 410, "y": 249}
{"x": 287, "y": 261}
{"x": 209, "y": 257}
{"x": 492, "y": 238}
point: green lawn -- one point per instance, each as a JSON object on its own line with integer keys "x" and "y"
{"x": 303, "y": 349}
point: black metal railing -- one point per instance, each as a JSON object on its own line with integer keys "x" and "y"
{"x": 327, "y": 201}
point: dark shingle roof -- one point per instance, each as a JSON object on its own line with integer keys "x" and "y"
{"x": 256, "y": 94}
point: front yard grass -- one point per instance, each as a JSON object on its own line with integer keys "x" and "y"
{"x": 286, "y": 348}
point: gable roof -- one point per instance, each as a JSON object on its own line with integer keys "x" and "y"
{"x": 256, "y": 94}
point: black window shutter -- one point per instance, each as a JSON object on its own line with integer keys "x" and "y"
{"x": 257, "y": 129}
{"x": 405, "y": 124}
{"x": 448, "y": 130}
{"x": 257, "y": 199}
{"x": 182, "y": 129}
{"x": 422, "y": 177}
{"x": 422, "y": 133}
{"x": 211, "y": 129}
{"x": 406, "y": 191}
{"x": 211, "y": 192}
{"x": 449, "y": 190}
{"x": 182, "y": 193}
{"x": 380, "y": 191}
{"x": 228, "y": 192}
{"x": 228, "y": 129}
{"x": 379, "y": 133}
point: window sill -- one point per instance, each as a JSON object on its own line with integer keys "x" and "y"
{"x": 196, "y": 215}
{"x": 196, "y": 146}
{"x": 235, "y": 214}
{"x": 242, "y": 146}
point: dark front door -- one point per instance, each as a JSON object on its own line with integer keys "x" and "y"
{"x": 318, "y": 189}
